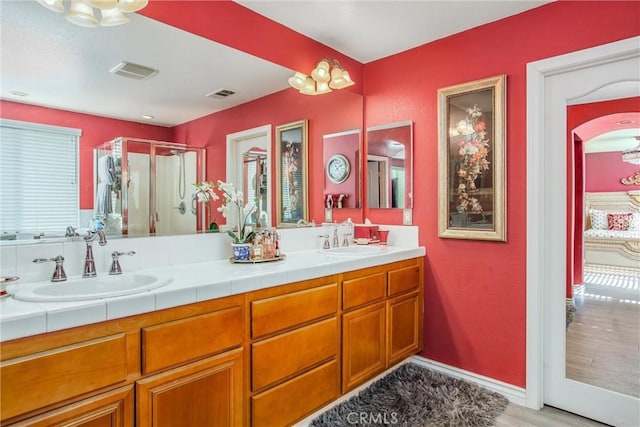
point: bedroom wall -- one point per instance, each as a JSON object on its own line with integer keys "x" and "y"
{"x": 604, "y": 170}
{"x": 475, "y": 292}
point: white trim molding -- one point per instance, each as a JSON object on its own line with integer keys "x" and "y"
{"x": 513, "y": 393}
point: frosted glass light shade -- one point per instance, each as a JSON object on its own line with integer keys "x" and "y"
{"x": 54, "y": 5}
{"x": 321, "y": 72}
{"x": 309, "y": 87}
{"x": 297, "y": 80}
{"x": 113, "y": 17}
{"x": 130, "y": 6}
{"x": 322, "y": 88}
{"x": 81, "y": 14}
{"x": 102, "y": 4}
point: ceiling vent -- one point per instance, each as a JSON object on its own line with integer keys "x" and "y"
{"x": 133, "y": 71}
{"x": 220, "y": 93}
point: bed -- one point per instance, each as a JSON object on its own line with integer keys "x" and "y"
{"x": 612, "y": 232}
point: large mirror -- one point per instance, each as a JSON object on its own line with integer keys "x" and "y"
{"x": 390, "y": 165}
{"x": 102, "y": 113}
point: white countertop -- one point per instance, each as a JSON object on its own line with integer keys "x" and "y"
{"x": 190, "y": 283}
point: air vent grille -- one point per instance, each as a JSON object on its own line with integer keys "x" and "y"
{"x": 220, "y": 93}
{"x": 133, "y": 71}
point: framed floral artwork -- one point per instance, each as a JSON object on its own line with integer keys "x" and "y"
{"x": 472, "y": 160}
{"x": 292, "y": 204}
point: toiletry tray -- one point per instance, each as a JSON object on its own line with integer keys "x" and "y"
{"x": 256, "y": 261}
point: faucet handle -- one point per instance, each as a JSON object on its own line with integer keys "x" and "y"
{"x": 115, "y": 263}
{"x": 59, "y": 274}
{"x": 326, "y": 244}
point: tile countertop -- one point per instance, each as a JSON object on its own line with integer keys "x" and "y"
{"x": 190, "y": 283}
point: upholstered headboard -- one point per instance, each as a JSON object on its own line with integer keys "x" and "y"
{"x": 615, "y": 201}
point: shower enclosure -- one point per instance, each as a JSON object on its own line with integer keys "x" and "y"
{"x": 145, "y": 187}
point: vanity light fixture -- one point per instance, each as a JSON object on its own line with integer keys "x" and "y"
{"x": 632, "y": 155}
{"x": 327, "y": 75}
{"x": 81, "y": 12}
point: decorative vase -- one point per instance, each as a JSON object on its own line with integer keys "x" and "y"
{"x": 471, "y": 185}
{"x": 241, "y": 251}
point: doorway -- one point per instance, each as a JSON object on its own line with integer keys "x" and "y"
{"x": 552, "y": 84}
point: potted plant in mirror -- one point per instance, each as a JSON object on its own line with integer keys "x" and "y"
{"x": 234, "y": 208}
{"x": 205, "y": 194}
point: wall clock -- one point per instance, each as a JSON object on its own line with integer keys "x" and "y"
{"x": 338, "y": 168}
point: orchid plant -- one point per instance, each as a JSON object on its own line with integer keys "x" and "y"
{"x": 232, "y": 207}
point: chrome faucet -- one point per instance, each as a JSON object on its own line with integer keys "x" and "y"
{"x": 115, "y": 264}
{"x": 58, "y": 274}
{"x": 71, "y": 232}
{"x": 89, "y": 263}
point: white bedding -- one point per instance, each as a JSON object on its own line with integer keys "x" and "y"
{"x": 612, "y": 234}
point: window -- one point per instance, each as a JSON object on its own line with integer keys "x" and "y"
{"x": 39, "y": 188}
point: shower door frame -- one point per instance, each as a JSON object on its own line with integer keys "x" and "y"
{"x": 124, "y": 177}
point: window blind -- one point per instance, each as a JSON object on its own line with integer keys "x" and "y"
{"x": 39, "y": 189}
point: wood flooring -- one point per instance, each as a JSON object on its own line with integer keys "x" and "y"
{"x": 603, "y": 341}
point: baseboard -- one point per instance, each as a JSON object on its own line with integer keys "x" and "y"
{"x": 517, "y": 395}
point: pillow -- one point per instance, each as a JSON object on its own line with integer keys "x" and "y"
{"x": 598, "y": 219}
{"x": 619, "y": 221}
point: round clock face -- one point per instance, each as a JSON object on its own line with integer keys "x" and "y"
{"x": 338, "y": 168}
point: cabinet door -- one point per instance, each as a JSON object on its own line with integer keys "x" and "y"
{"x": 363, "y": 345}
{"x": 404, "y": 320}
{"x": 203, "y": 393}
{"x": 111, "y": 409}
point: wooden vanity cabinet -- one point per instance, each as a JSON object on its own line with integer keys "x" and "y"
{"x": 381, "y": 320}
{"x": 295, "y": 350}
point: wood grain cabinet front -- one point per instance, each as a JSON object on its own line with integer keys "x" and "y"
{"x": 203, "y": 393}
{"x": 112, "y": 409}
{"x": 404, "y": 320}
{"x": 173, "y": 343}
{"x": 38, "y": 380}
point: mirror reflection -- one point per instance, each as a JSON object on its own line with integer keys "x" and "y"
{"x": 389, "y": 166}
{"x": 262, "y": 102}
{"x": 341, "y": 159}
{"x": 603, "y": 323}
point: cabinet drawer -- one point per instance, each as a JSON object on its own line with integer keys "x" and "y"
{"x": 404, "y": 279}
{"x": 363, "y": 290}
{"x": 180, "y": 341}
{"x": 282, "y": 312}
{"x": 282, "y": 356}
{"x": 41, "y": 379}
{"x": 111, "y": 409}
{"x": 295, "y": 399}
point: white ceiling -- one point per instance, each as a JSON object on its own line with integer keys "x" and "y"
{"x": 64, "y": 66}
{"x": 366, "y": 30}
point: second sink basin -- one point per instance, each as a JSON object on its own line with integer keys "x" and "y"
{"x": 353, "y": 251}
{"x": 90, "y": 288}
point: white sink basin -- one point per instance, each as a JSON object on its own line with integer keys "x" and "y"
{"x": 89, "y": 288}
{"x": 353, "y": 251}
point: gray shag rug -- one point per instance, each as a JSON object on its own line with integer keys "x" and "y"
{"x": 413, "y": 396}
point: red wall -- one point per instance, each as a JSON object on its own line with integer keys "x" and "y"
{"x": 95, "y": 131}
{"x": 604, "y": 171}
{"x": 475, "y": 292}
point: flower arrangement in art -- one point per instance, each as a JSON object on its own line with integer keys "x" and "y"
{"x": 291, "y": 155}
{"x": 473, "y": 150}
{"x": 232, "y": 207}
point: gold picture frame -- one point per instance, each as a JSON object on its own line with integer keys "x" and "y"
{"x": 472, "y": 160}
{"x": 292, "y": 201}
